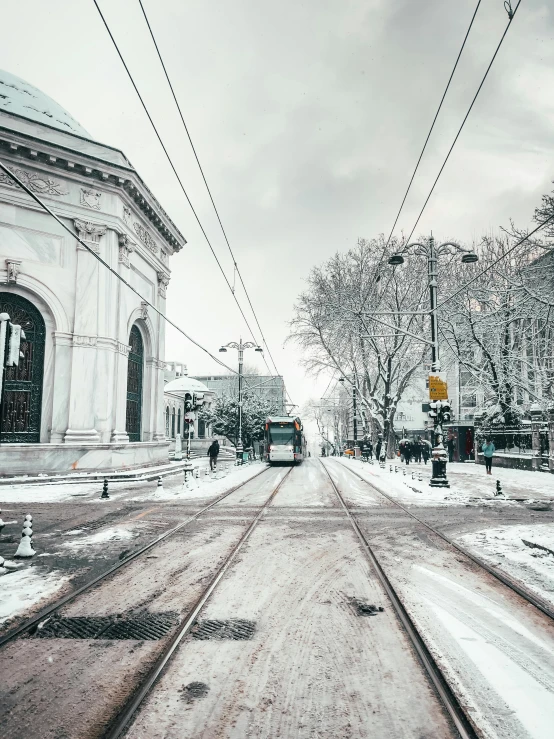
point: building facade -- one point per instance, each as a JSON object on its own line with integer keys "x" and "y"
{"x": 88, "y": 393}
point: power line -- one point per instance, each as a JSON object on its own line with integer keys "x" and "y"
{"x": 433, "y": 123}
{"x": 496, "y": 261}
{"x": 173, "y": 167}
{"x": 181, "y": 183}
{"x": 510, "y": 19}
{"x": 105, "y": 264}
{"x": 205, "y": 180}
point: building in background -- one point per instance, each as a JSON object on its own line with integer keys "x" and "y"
{"x": 88, "y": 393}
{"x": 269, "y": 387}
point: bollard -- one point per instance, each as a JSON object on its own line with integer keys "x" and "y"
{"x": 395, "y": 468}
{"x": 499, "y": 490}
{"x": 390, "y": 467}
{"x": 404, "y": 472}
{"x": 2, "y": 524}
{"x": 105, "y": 493}
{"x": 413, "y": 475}
{"x": 420, "y": 477}
{"x": 25, "y": 548}
{"x": 159, "y": 486}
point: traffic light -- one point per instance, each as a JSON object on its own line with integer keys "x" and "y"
{"x": 189, "y": 402}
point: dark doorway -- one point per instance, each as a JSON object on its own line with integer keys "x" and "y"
{"x": 134, "y": 385}
{"x": 22, "y": 390}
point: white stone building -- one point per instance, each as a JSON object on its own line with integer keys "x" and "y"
{"x": 89, "y": 392}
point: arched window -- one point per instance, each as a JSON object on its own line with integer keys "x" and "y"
{"x": 22, "y": 387}
{"x": 173, "y": 423}
{"x": 179, "y": 421}
{"x": 167, "y": 422}
{"x": 134, "y": 385}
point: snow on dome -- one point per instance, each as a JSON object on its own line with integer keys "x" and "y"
{"x": 21, "y": 98}
{"x": 186, "y": 384}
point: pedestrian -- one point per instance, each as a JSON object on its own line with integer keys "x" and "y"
{"x": 417, "y": 450}
{"x": 378, "y": 449}
{"x": 407, "y": 451}
{"x": 425, "y": 451}
{"x": 213, "y": 451}
{"x": 369, "y": 450}
{"x": 488, "y": 449}
{"x": 450, "y": 444}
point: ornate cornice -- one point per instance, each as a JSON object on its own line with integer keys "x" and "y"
{"x": 36, "y": 182}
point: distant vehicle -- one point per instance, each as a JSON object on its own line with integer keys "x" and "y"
{"x": 349, "y": 452}
{"x": 284, "y": 440}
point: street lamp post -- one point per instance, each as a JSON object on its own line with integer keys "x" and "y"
{"x": 441, "y": 410}
{"x": 240, "y": 348}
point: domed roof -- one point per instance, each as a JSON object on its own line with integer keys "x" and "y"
{"x": 21, "y": 98}
{"x": 186, "y": 384}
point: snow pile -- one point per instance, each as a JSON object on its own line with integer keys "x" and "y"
{"x": 99, "y": 537}
{"x": 23, "y": 589}
{"x": 505, "y": 547}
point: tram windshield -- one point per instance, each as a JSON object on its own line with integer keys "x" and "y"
{"x": 281, "y": 434}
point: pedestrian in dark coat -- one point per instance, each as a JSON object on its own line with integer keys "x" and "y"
{"x": 213, "y": 452}
{"x": 425, "y": 451}
{"x": 450, "y": 446}
{"x": 378, "y": 449}
{"x": 417, "y": 450}
{"x": 407, "y": 451}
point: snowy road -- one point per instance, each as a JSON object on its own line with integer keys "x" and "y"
{"x": 315, "y": 663}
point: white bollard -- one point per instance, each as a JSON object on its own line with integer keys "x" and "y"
{"x": 2, "y": 524}
{"x": 25, "y": 548}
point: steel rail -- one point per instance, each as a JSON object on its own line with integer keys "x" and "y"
{"x": 519, "y": 589}
{"x": 35, "y": 620}
{"x": 125, "y": 716}
{"x": 448, "y": 698}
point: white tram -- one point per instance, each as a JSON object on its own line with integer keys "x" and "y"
{"x": 284, "y": 440}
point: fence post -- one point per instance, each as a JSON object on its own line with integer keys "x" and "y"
{"x": 551, "y": 437}
{"x": 536, "y": 417}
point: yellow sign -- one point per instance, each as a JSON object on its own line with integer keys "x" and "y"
{"x": 438, "y": 387}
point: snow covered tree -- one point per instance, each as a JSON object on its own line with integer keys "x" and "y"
{"x": 223, "y": 417}
{"x": 351, "y": 321}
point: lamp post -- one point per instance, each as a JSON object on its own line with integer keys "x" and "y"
{"x": 441, "y": 409}
{"x": 355, "y": 419}
{"x": 240, "y": 347}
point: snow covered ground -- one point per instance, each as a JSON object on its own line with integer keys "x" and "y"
{"x": 468, "y": 483}
{"x": 146, "y": 490}
{"x": 505, "y": 548}
{"x": 22, "y": 590}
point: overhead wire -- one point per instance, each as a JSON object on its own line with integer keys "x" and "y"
{"x": 235, "y": 264}
{"x": 434, "y": 121}
{"x": 511, "y": 16}
{"x": 43, "y": 205}
{"x": 173, "y": 167}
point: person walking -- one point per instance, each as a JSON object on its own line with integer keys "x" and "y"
{"x": 378, "y": 449}
{"x": 407, "y": 451}
{"x": 369, "y": 450}
{"x": 417, "y": 450}
{"x": 488, "y": 450}
{"x": 213, "y": 452}
{"x": 425, "y": 451}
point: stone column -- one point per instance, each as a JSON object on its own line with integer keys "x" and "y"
{"x": 536, "y": 417}
{"x": 81, "y": 427}
{"x": 62, "y": 386}
{"x": 551, "y": 437}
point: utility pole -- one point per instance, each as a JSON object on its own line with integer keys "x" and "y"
{"x": 240, "y": 347}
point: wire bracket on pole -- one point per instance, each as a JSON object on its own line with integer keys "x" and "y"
{"x": 508, "y": 8}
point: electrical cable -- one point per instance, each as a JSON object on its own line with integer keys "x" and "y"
{"x": 433, "y": 123}
{"x": 182, "y": 186}
{"x": 510, "y": 19}
{"x": 43, "y": 205}
{"x": 235, "y": 265}
{"x": 173, "y": 167}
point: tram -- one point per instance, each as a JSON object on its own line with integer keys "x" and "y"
{"x": 284, "y": 440}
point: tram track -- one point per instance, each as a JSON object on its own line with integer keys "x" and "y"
{"x": 125, "y": 717}
{"x": 516, "y": 587}
{"x": 31, "y": 624}
{"x": 435, "y": 674}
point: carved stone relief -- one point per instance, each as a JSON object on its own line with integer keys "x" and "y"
{"x": 12, "y": 267}
{"x": 90, "y": 233}
{"x": 145, "y": 237}
{"x": 163, "y": 282}
{"x": 90, "y": 198}
{"x": 126, "y": 247}
{"x": 84, "y": 340}
{"x": 36, "y": 182}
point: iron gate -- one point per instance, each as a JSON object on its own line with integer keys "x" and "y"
{"x": 134, "y": 385}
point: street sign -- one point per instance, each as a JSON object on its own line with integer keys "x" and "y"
{"x": 189, "y": 416}
{"x": 438, "y": 387}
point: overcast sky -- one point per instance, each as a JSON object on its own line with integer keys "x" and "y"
{"x": 308, "y": 118}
